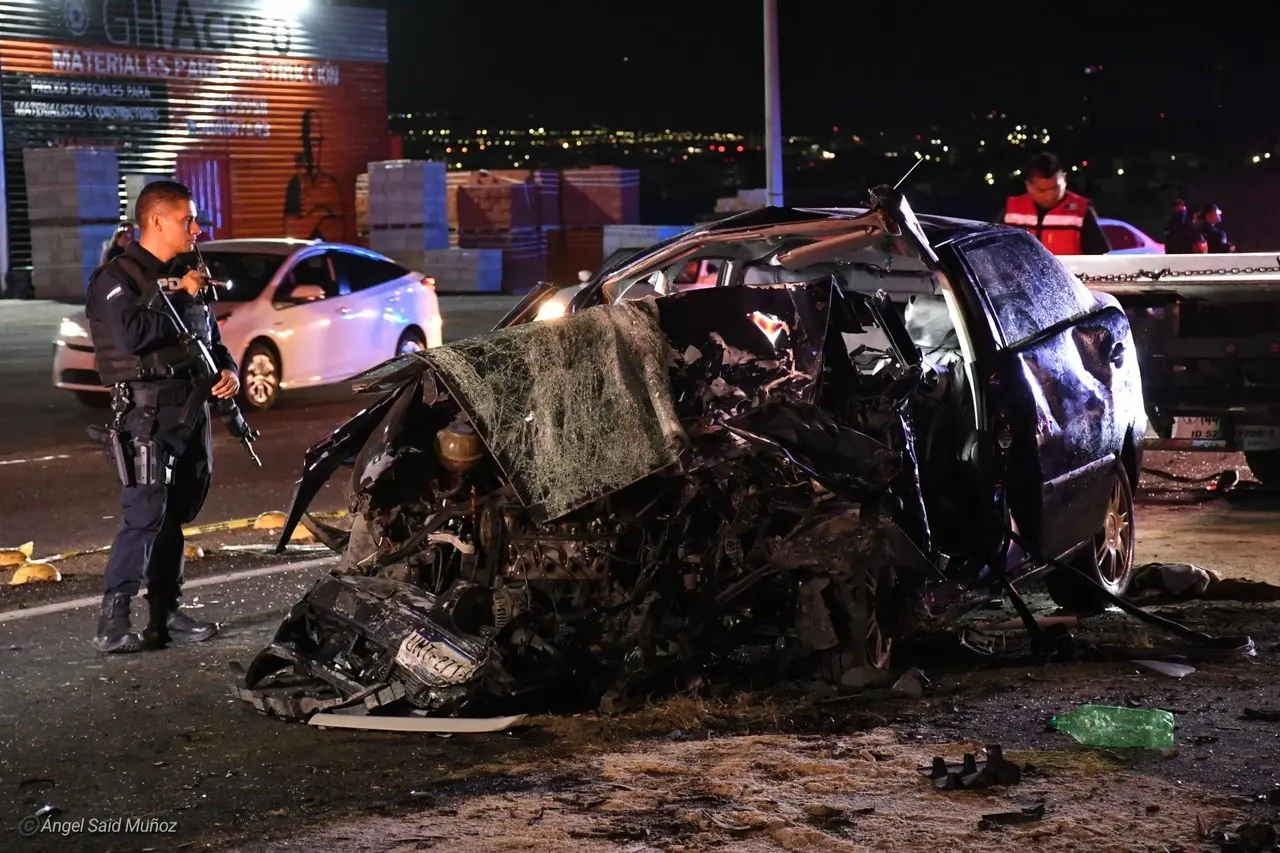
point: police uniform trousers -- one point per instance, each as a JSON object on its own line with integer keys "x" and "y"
{"x": 149, "y": 543}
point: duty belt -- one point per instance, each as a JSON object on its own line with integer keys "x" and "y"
{"x": 149, "y": 395}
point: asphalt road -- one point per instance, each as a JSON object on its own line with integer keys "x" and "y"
{"x": 55, "y": 486}
{"x": 156, "y": 738}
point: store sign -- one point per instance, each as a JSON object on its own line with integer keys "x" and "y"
{"x": 202, "y": 26}
{"x": 155, "y": 64}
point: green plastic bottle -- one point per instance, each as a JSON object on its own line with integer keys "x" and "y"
{"x": 1101, "y": 725}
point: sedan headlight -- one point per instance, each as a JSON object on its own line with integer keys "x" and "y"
{"x": 71, "y": 329}
{"x": 550, "y": 310}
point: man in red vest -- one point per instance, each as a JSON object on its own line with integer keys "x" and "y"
{"x": 1064, "y": 221}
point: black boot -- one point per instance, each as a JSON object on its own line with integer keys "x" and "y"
{"x": 168, "y": 623}
{"x": 114, "y": 631}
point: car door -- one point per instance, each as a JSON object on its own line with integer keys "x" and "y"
{"x": 318, "y": 330}
{"x": 378, "y": 288}
{"x": 353, "y": 321}
{"x": 304, "y": 302}
{"x": 1066, "y": 375}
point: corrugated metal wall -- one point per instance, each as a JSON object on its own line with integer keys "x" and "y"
{"x": 268, "y": 115}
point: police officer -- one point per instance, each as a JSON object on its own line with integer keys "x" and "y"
{"x": 164, "y": 464}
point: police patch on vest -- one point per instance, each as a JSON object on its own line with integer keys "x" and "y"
{"x": 170, "y": 284}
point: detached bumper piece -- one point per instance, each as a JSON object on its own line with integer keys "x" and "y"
{"x": 362, "y": 645}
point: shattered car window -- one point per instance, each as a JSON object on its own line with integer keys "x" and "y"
{"x": 1030, "y": 290}
{"x": 571, "y": 410}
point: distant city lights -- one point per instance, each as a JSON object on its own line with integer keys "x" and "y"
{"x": 1003, "y": 144}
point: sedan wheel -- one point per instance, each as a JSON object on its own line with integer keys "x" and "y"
{"x": 1110, "y": 561}
{"x": 260, "y": 378}
{"x": 1115, "y": 545}
{"x": 410, "y": 342}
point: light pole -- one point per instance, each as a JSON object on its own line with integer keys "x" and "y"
{"x": 772, "y": 106}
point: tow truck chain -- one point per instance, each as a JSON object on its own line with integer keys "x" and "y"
{"x": 1147, "y": 275}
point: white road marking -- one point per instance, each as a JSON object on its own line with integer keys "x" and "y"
{"x": 211, "y": 580}
{"x": 35, "y": 459}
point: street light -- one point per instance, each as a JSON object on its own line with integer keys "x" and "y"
{"x": 772, "y": 106}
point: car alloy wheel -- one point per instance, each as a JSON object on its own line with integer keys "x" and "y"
{"x": 261, "y": 380}
{"x": 1115, "y": 543}
{"x": 1109, "y": 560}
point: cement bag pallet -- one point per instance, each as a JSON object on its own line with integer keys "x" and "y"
{"x": 71, "y": 184}
{"x": 464, "y": 270}
{"x": 63, "y": 256}
{"x": 409, "y": 241}
{"x": 637, "y": 236}
{"x": 408, "y": 192}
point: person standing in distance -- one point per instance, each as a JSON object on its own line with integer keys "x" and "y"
{"x": 164, "y": 465}
{"x": 1064, "y": 221}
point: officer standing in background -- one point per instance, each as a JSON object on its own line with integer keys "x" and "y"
{"x": 1064, "y": 221}
{"x": 165, "y": 466}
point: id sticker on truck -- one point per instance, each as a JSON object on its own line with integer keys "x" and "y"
{"x": 1203, "y": 431}
{"x": 1197, "y": 429}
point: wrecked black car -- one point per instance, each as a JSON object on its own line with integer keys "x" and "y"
{"x": 872, "y": 423}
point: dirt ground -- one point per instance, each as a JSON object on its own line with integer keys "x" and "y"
{"x": 795, "y": 768}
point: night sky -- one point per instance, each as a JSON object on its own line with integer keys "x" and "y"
{"x": 698, "y": 64}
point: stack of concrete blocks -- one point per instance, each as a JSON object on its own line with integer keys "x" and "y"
{"x": 464, "y": 270}
{"x": 408, "y": 209}
{"x": 745, "y": 200}
{"x": 362, "y": 208}
{"x": 638, "y": 236}
{"x": 73, "y": 205}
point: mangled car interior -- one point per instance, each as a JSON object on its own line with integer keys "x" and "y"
{"x": 848, "y": 441}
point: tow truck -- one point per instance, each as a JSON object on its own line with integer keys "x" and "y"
{"x": 1207, "y": 330}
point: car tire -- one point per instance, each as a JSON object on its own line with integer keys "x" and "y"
{"x": 94, "y": 399}
{"x": 1265, "y": 465}
{"x": 259, "y": 378}
{"x": 1109, "y": 560}
{"x": 411, "y": 341}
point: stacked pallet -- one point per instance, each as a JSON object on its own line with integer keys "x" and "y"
{"x": 524, "y": 255}
{"x": 485, "y": 208}
{"x": 408, "y": 211}
{"x": 571, "y": 251}
{"x": 362, "y": 208}
{"x": 548, "y": 225}
{"x": 464, "y": 270}
{"x": 543, "y": 186}
{"x": 742, "y": 202}
{"x": 599, "y": 196}
{"x": 512, "y": 210}
{"x": 73, "y": 204}
{"x": 637, "y": 236}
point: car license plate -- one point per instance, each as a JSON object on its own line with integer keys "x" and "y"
{"x": 1197, "y": 429}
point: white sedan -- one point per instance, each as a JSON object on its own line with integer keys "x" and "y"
{"x": 1126, "y": 239}
{"x": 297, "y": 314}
